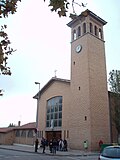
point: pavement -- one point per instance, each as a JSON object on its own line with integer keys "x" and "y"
{"x": 31, "y": 149}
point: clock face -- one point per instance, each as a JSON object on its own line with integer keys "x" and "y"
{"x": 78, "y": 48}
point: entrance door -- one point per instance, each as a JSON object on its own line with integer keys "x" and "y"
{"x": 53, "y": 134}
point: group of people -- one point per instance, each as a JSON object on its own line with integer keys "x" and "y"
{"x": 62, "y": 145}
{"x": 57, "y": 145}
{"x": 54, "y": 145}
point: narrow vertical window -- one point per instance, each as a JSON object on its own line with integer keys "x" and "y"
{"x": 74, "y": 35}
{"x": 84, "y": 28}
{"x": 67, "y": 134}
{"x": 91, "y": 28}
{"x": 79, "y": 31}
{"x": 30, "y": 133}
{"x": 96, "y": 31}
{"x": 100, "y": 34}
{"x": 85, "y": 118}
{"x": 17, "y": 133}
{"x": 64, "y": 134}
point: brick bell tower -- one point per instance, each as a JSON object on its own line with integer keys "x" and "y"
{"x": 89, "y": 109}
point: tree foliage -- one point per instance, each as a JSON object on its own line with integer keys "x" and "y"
{"x": 10, "y": 7}
{"x": 62, "y": 6}
{"x": 6, "y": 7}
{"x": 114, "y": 82}
{"x": 11, "y": 125}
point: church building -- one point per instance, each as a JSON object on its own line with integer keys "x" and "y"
{"x": 78, "y": 109}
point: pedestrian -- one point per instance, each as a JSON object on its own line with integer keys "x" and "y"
{"x": 43, "y": 144}
{"x": 65, "y": 144}
{"x": 50, "y": 146}
{"x": 60, "y": 145}
{"x": 100, "y": 145}
{"x": 36, "y": 145}
{"x": 54, "y": 145}
{"x": 57, "y": 147}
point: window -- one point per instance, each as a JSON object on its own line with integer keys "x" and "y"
{"x": 79, "y": 31}
{"x": 100, "y": 34}
{"x": 60, "y": 115}
{"x": 56, "y": 108}
{"x": 59, "y": 123}
{"x": 60, "y": 107}
{"x": 56, "y": 115}
{"x": 85, "y": 118}
{"x": 48, "y": 109}
{"x": 64, "y": 134}
{"x": 111, "y": 152}
{"x": 67, "y": 134}
{"x": 74, "y": 35}
{"x": 47, "y": 123}
{"x": 96, "y": 31}
{"x": 40, "y": 134}
{"x": 84, "y": 28}
{"x": 17, "y": 133}
{"x": 48, "y": 116}
{"x": 55, "y": 123}
{"x": 23, "y": 134}
{"x": 54, "y": 112}
{"x": 91, "y": 28}
{"x": 30, "y": 133}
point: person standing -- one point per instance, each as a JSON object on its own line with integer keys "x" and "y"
{"x": 36, "y": 145}
{"x": 65, "y": 145}
{"x": 43, "y": 143}
{"x": 100, "y": 145}
{"x": 54, "y": 144}
{"x": 60, "y": 145}
{"x": 51, "y": 145}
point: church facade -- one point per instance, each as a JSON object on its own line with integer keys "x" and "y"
{"x": 78, "y": 109}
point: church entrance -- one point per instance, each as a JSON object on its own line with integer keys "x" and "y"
{"x": 53, "y": 134}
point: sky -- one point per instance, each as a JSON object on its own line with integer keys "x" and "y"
{"x": 42, "y": 43}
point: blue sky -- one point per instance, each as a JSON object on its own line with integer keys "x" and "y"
{"x": 42, "y": 40}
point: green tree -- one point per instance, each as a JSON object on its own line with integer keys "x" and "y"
{"x": 114, "y": 82}
{"x": 10, "y": 7}
{"x": 6, "y": 7}
{"x": 11, "y": 125}
{"x": 62, "y": 6}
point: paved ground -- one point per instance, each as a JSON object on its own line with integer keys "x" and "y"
{"x": 31, "y": 149}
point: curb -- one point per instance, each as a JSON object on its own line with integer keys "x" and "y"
{"x": 57, "y": 154}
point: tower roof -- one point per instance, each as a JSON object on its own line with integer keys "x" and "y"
{"x": 85, "y": 14}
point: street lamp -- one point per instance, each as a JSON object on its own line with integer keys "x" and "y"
{"x": 38, "y": 98}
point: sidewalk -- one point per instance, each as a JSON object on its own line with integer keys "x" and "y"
{"x": 31, "y": 149}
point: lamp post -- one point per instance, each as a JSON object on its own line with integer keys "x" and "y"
{"x": 38, "y": 98}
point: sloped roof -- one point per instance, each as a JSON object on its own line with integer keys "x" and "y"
{"x": 5, "y": 130}
{"x": 49, "y": 83}
{"x": 31, "y": 125}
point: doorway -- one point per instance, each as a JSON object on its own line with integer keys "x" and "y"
{"x": 53, "y": 134}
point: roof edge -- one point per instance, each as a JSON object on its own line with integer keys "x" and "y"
{"x": 85, "y": 14}
{"x": 49, "y": 83}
